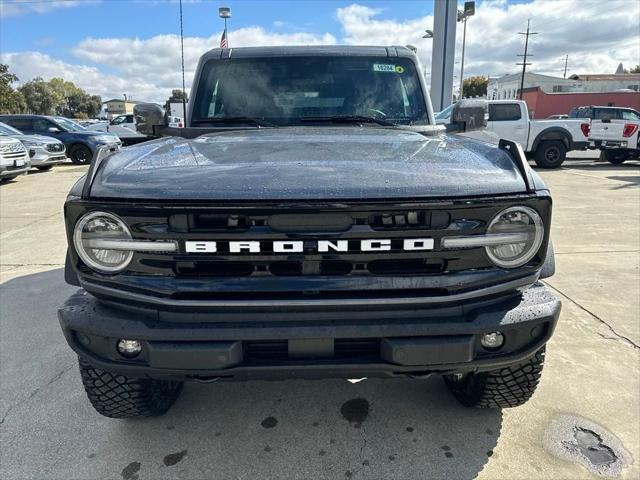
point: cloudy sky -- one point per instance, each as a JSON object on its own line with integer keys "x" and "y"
{"x": 111, "y": 47}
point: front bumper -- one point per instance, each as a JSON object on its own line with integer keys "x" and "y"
{"x": 42, "y": 157}
{"x": 387, "y": 343}
{"x": 7, "y": 171}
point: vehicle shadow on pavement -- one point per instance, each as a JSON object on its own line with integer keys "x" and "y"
{"x": 399, "y": 428}
{"x": 295, "y": 429}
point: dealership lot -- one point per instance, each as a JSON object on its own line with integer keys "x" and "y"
{"x": 405, "y": 429}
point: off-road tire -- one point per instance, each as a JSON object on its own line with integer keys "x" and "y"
{"x": 44, "y": 168}
{"x": 502, "y": 388}
{"x": 615, "y": 156}
{"x": 80, "y": 154}
{"x": 119, "y": 396}
{"x": 550, "y": 154}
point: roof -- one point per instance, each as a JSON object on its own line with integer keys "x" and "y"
{"x": 121, "y": 100}
{"x": 516, "y": 76}
{"x": 315, "y": 50}
{"x": 605, "y": 77}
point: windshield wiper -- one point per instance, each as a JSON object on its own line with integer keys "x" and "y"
{"x": 226, "y": 120}
{"x": 349, "y": 119}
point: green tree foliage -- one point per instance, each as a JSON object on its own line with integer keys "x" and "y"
{"x": 59, "y": 97}
{"x": 176, "y": 97}
{"x": 40, "y": 97}
{"x": 11, "y": 101}
{"x": 475, "y": 86}
{"x": 635, "y": 69}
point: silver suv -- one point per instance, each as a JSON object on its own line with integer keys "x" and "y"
{"x": 44, "y": 152}
{"x": 14, "y": 159}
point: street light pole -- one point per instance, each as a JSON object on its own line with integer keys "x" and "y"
{"x": 463, "y": 15}
{"x": 225, "y": 14}
{"x": 464, "y": 38}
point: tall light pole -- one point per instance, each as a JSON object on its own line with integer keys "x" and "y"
{"x": 428, "y": 34}
{"x": 469, "y": 11}
{"x": 225, "y": 13}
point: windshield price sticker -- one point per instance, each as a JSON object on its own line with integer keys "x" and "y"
{"x": 384, "y": 67}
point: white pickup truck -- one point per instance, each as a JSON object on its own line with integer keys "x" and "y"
{"x": 616, "y": 132}
{"x": 545, "y": 141}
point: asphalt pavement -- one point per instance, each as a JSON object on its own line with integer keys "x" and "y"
{"x": 333, "y": 429}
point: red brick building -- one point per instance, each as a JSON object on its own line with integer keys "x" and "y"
{"x": 542, "y": 104}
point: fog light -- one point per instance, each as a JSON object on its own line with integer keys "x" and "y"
{"x": 492, "y": 341}
{"x": 129, "y": 348}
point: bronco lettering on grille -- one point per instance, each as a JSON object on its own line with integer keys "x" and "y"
{"x": 298, "y": 246}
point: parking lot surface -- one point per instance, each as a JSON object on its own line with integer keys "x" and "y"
{"x": 377, "y": 429}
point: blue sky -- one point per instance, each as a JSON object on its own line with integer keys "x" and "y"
{"x": 110, "y": 47}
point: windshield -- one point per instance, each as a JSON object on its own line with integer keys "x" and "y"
{"x": 7, "y": 130}
{"x": 69, "y": 125}
{"x": 287, "y": 90}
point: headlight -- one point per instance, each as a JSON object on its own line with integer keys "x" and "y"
{"x": 98, "y": 229}
{"x": 523, "y": 223}
{"x": 104, "y": 138}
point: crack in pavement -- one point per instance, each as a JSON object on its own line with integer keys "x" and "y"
{"x": 596, "y": 252}
{"x": 35, "y": 392}
{"x": 618, "y": 336}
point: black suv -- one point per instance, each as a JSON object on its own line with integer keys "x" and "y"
{"x": 81, "y": 143}
{"x": 320, "y": 225}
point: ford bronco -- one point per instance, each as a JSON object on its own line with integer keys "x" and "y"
{"x": 310, "y": 221}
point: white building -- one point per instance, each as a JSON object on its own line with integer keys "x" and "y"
{"x": 507, "y": 86}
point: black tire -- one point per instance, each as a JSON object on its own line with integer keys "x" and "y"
{"x": 80, "y": 154}
{"x": 550, "y": 154}
{"x": 503, "y": 388}
{"x": 616, "y": 156}
{"x": 119, "y": 396}
{"x": 7, "y": 179}
{"x": 45, "y": 168}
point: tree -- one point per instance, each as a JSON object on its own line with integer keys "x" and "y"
{"x": 11, "y": 101}
{"x": 635, "y": 69}
{"x": 40, "y": 98}
{"x": 475, "y": 86}
{"x": 176, "y": 97}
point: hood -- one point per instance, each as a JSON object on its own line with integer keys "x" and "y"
{"x": 308, "y": 163}
{"x": 36, "y": 138}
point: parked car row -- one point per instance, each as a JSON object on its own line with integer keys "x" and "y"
{"x": 80, "y": 142}
{"x": 545, "y": 141}
{"x": 613, "y": 130}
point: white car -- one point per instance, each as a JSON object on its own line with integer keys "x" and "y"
{"x": 14, "y": 159}
{"x": 175, "y": 122}
{"x": 44, "y": 152}
{"x": 546, "y": 141}
{"x": 616, "y": 132}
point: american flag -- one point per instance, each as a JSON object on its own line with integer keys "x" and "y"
{"x": 223, "y": 40}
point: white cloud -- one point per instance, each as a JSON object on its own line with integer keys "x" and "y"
{"x": 596, "y": 35}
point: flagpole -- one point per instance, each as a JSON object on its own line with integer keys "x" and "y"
{"x": 225, "y": 14}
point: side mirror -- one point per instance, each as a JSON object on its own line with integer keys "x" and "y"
{"x": 469, "y": 115}
{"x": 53, "y": 130}
{"x": 147, "y": 116}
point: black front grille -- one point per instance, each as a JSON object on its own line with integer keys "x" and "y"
{"x": 55, "y": 147}
{"x": 308, "y": 224}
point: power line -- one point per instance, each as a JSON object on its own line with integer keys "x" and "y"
{"x": 524, "y": 59}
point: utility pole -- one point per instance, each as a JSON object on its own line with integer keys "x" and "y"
{"x": 566, "y": 60}
{"x": 524, "y": 59}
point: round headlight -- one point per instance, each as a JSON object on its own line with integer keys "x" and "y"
{"x": 522, "y": 221}
{"x": 90, "y": 231}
